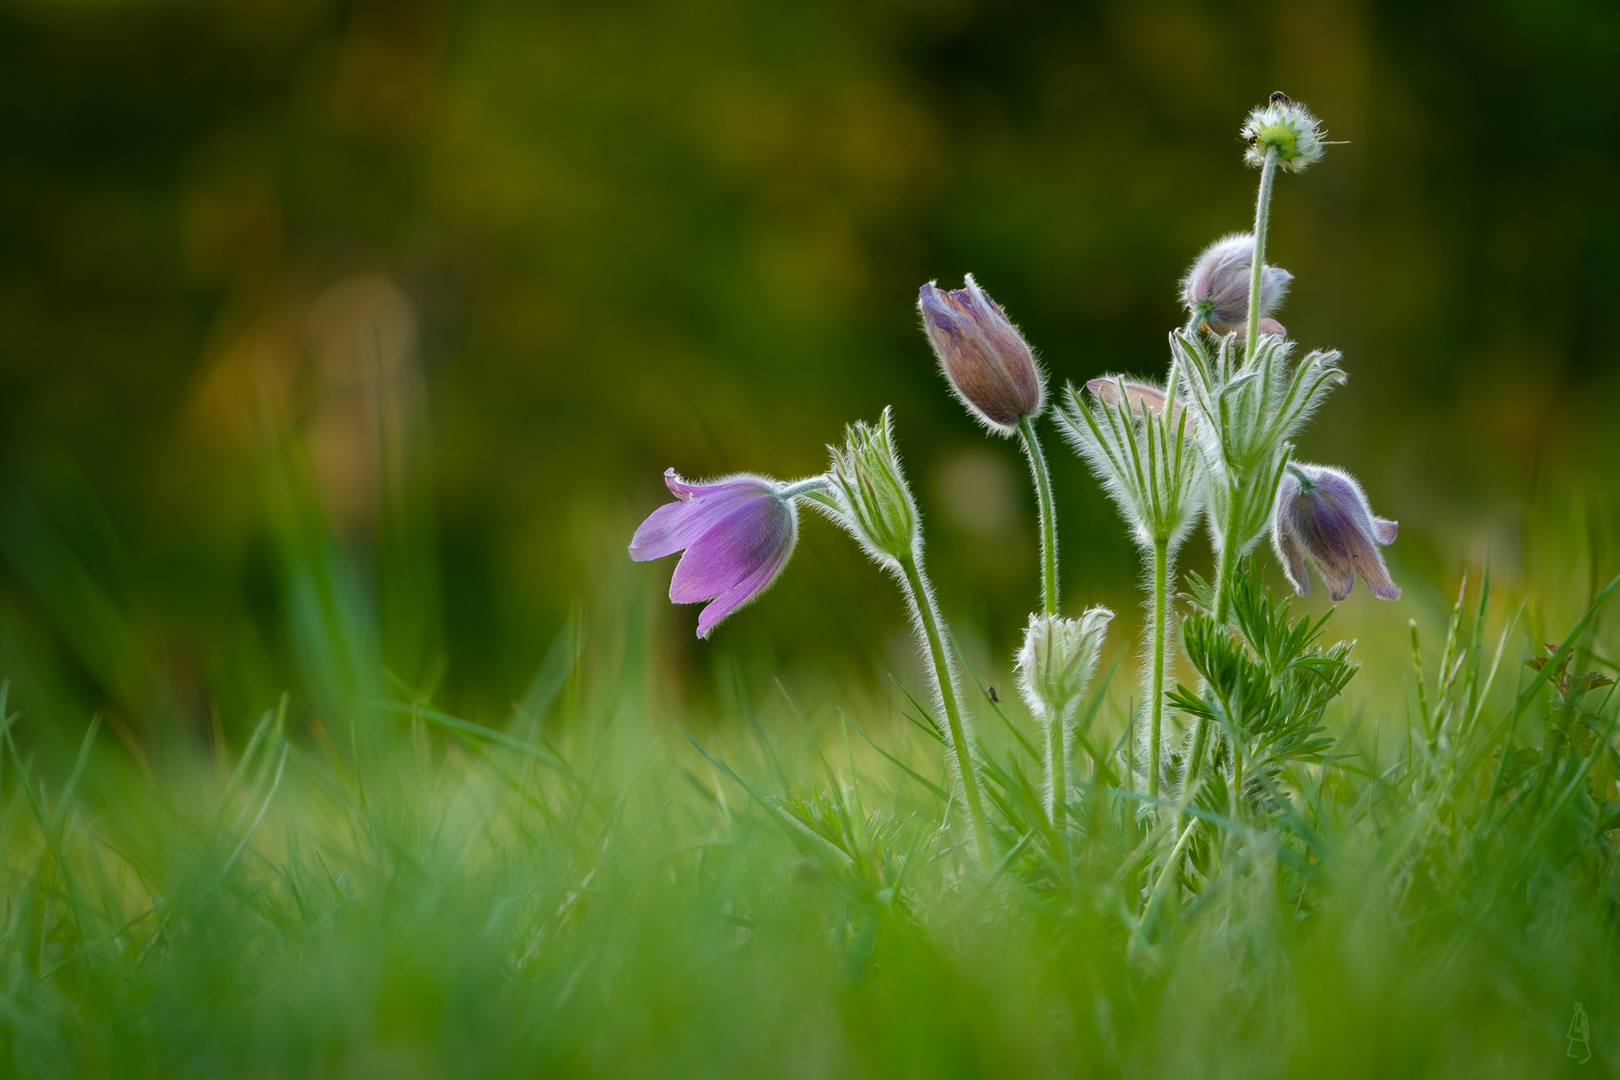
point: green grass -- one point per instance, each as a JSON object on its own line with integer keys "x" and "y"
{"x": 595, "y": 886}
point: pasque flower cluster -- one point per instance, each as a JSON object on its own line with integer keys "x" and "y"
{"x": 1210, "y": 439}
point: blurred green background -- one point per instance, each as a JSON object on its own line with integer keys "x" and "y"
{"x": 394, "y": 311}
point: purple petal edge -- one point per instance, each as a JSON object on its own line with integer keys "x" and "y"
{"x": 676, "y": 526}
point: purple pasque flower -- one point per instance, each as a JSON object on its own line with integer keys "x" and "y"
{"x": 985, "y": 359}
{"x": 737, "y": 533}
{"x": 1322, "y": 518}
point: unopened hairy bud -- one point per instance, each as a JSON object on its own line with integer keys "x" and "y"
{"x": 1216, "y": 286}
{"x": 1139, "y": 440}
{"x": 1057, "y": 659}
{"x": 989, "y": 365}
{"x": 873, "y": 500}
{"x": 1140, "y": 397}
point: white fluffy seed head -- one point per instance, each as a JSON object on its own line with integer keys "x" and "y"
{"x": 1284, "y": 128}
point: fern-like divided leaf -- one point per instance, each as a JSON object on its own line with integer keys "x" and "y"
{"x": 1266, "y": 687}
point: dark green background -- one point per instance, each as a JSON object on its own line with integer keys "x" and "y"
{"x": 635, "y": 235}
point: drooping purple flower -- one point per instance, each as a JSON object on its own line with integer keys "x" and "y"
{"x": 1322, "y": 518}
{"x": 985, "y": 359}
{"x": 737, "y": 534}
{"x": 1217, "y": 286}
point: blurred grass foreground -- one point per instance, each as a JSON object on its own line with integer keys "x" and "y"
{"x": 341, "y": 346}
{"x": 590, "y": 891}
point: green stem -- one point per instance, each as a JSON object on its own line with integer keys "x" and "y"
{"x": 809, "y": 486}
{"x": 1043, "y": 497}
{"x": 1172, "y": 869}
{"x": 1161, "y": 559}
{"x": 924, "y": 601}
{"x": 1195, "y": 756}
{"x": 1262, "y": 217}
{"x": 1057, "y": 769}
{"x": 1237, "y": 783}
{"x": 1130, "y": 783}
{"x": 1226, "y": 562}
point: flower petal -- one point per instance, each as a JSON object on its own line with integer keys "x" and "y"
{"x": 750, "y": 536}
{"x": 675, "y": 526}
{"x": 1141, "y": 396}
{"x": 735, "y": 484}
{"x": 1384, "y": 530}
{"x": 740, "y": 594}
{"x": 1339, "y": 576}
{"x": 1370, "y": 562}
{"x": 1219, "y": 279}
{"x": 1293, "y": 561}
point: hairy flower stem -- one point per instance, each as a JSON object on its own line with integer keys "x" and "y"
{"x": 1043, "y": 496}
{"x": 924, "y": 601}
{"x": 1262, "y": 217}
{"x": 1161, "y": 560}
{"x": 1225, "y": 572}
{"x": 1057, "y": 771}
{"x": 1226, "y": 564}
{"x": 812, "y": 486}
{"x": 1226, "y": 561}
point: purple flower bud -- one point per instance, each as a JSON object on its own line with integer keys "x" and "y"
{"x": 1217, "y": 286}
{"x": 1322, "y": 517}
{"x": 737, "y": 534}
{"x": 985, "y": 359}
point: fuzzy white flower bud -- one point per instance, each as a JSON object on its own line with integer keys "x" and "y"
{"x": 1139, "y": 441}
{"x": 1057, "y": 660}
